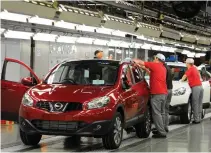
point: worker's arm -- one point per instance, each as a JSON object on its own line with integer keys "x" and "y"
{"x": 146, "y": 69}
{"x": 139, "y": 62}
{"x": 184, "y": 77}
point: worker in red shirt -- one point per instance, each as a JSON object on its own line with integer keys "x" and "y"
{"x": 193, "y": 76}
{"x": 158, "y": 89}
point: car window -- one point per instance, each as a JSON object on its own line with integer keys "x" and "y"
{"x": 136, "y": 73}
{"x": 127, "y": 74}
{"x": 177, "y": 72}
{"x": 15, "y": 72}
{"x": 205, "y": 75}
{"x": 85, "y": 73}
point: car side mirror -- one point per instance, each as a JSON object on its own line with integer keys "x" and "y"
{"x": 28, "y": 81}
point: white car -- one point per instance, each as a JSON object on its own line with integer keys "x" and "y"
{"x": 180, "y": 104}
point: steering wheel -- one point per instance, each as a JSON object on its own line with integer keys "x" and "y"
{"x": 69, "y": 80}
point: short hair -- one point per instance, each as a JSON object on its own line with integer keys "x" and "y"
{"x": 97, "y": 51}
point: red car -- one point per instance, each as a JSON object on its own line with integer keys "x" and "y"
{"x": 93, "y": 98}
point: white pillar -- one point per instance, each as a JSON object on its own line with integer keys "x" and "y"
{"x": 146, "y": 55}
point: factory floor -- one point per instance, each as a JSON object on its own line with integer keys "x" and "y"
{"x": 181, "y": 138}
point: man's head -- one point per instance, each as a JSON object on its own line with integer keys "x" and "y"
{"x": 189, "y": 62}
{"x": 159, "y": 58}
{"x": 99, "y": 54}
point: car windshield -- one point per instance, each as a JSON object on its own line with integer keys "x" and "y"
{"x": 87, "y": 72}
{"x": 177, "y": 72}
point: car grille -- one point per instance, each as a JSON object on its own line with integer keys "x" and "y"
{"x": 55, "y": 125}
{"x": 65, "y": 107}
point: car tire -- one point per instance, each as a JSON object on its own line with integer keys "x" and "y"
{"x": 30, "y": 139}
{"x": 185, "y": 118}
{"x": 143, "y": 129}
{"x": 109, "y": 140}
{"x": 203, "y": 113}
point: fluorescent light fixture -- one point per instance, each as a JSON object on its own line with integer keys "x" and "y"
{"x": 119, "y": 33}
{"x": 164, "y": 48}
{"x": 200, "y": 54}
{"x": 63, "y": 8}
{"x": 199, "y": 49}
{"x": 84, "y": 40}
{"x": 66, "y": 39}
{"x": 38, "y": 20}
{"x": 191, "y": 54}
{"x": 114, "y": 43}
{"x": 45, "y": 37}
{"x": 18, "y": 34}
{"x": 146, "y": 46}
{"x": 65, "y": 25}
{"x": 141, "y": 37}
{"x": 185, "y": 52}
{"x": 104, "y": 31}
{"x": 177, "y": 44}
{"x": 172, "y": 50}
{"x": 136, "y": 45}
{"x": 2, "y": 30}
{"x": 13, "y": 16}
{"x": 124, "y": 44}
{"x": 100, "y": 42}
{"x": 155, "y": 47}
{"x": 85, "y": 28}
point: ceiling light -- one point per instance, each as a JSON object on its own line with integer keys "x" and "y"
{"x": 141, "y": 37}
{"x": 18, "y": 34}
{"x": 114, "y": 43}
{"x": 155, "y": 47}
{"x": 45, "y": 37}
{"x": 100, "y": 42}
{"x": 13, "y": 16}
{"x": 2, "y": 30}
{"x": 136, "y": 45}
{"x": 104, "y": 31}
{"x": 84, "y": 40}
{"x": 119, "y": 33}
{"x": 38, "y": 20}
{"x": 85, "y": 28}
{"x": 172, "y": 50}
{"x": 191, "y": 54}
{"x": 124, "y": 44}
{"x": 185, "y": 52}
{"x": 200, "y": 54}
{"x": 164, "y": 48}
{"x": 63, "y": 8}
{"x": 65, "y": 25}
{"x": 66, "y": 39}
{"x": 146, "y": 46}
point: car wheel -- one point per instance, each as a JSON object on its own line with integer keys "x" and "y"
{"x": 186, "y": 117}
{"x": 143, "y": 129}
{"x": 203, "y": 113}
{"x": 114, "y": 138}
{"x": 32, "y": 139}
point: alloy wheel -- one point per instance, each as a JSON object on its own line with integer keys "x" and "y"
{"x": 118, "y": 130}
{"x": 148, "y": 122}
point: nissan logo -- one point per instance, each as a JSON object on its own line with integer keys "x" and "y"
{"x": 58, "y": 106}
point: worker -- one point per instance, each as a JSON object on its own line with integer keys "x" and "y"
{"x": 158, "y": 91}
{"x": 168, "y": 98}
{"x": 193, "y": 76}
{"x": 98, "y": 54}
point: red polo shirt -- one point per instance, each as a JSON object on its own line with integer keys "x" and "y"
{"x": 193, "y": 77}
{"x": 157, "y": 77}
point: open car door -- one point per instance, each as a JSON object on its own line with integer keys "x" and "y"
{"x": 16, "y": 79}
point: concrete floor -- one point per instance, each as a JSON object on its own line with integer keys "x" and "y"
{"x": 181, "y": 138}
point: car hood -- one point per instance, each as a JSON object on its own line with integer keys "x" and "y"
{"x": 68, "y": 93}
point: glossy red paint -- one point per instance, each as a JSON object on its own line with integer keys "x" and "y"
{"x": 12, "y": 92}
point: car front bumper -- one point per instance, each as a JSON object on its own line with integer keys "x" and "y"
{"x": 95, "y": 129}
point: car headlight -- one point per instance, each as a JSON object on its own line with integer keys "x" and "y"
{"x": 98, "y": 102}
{"x": 180, "y": 91}
{"x": 27, "y": 100}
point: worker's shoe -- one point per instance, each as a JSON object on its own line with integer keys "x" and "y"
{"x": 156, "y": 131}
{"x": 158, "y": 136}
{"x": 196, "y": 122}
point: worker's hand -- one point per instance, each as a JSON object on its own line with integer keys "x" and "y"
{"x": 136, "y": 60}
{"x": 180, "y": 80}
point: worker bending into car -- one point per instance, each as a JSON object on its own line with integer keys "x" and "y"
{"x": 158, "y": 91}
{"x": 193, "y": 76}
